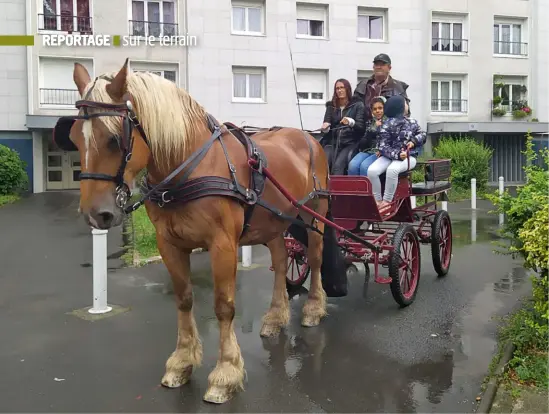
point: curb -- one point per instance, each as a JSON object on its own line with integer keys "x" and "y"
{"x": 489, "y": 394}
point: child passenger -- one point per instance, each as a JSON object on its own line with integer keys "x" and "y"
{"x": 361, "y": 162}
{"x": 396, "y": 135}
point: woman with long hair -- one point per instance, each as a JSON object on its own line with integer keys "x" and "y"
{"x": 345, "y": 119}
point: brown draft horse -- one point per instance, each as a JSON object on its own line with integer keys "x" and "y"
{"x": 169, "y": 126}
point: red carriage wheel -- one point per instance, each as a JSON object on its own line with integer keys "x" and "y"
{"x": 405, "y": 264}
{"x": 298, "y": 267}
{"x": 441, "y": 242}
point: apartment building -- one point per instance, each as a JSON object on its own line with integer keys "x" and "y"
{"x": 471, "y": 66}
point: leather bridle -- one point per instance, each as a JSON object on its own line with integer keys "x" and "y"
{"x": 129, "y": 122}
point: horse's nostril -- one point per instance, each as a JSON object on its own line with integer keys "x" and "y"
{"x": 106, "y": 217}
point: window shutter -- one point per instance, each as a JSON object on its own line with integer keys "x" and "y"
{"x": 311, "y": 13}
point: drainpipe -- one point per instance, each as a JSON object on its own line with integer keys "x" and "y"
{"x": 30, "y": 81}
{"x": 186, "y": 21}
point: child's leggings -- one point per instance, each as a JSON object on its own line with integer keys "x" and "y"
{"x": 392, "y": 168}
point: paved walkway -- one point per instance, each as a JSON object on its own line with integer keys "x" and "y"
{"x": 366, "y": 356}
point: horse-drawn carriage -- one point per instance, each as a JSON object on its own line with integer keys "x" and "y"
{"x": 205, "y": 180}
{"x": 391, "y": 241}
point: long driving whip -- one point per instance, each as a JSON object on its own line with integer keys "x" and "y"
{"x": 293, "y": 73}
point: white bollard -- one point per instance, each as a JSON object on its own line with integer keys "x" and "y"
{"x": 473, "y": 193}
{"x": 99, "y": 272}
{"x": 474, "y": 227}
{"x": 444, "y": 204}
{"x": 501, "y": 185}
{"x": 246, "y": 256}
{"x": 413, "y": 201}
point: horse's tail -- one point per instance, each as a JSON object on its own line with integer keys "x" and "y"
{"x": 334, "y": 269}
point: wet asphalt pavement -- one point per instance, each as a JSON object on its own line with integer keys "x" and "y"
{"x": 366, "y": 356}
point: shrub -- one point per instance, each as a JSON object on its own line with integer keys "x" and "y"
{"x": 527, "y": 227}
{"x": 470, "y": 159}
{"x": 13, "y": 177}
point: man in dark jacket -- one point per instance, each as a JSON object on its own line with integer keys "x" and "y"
{"x": 380, "y": 84}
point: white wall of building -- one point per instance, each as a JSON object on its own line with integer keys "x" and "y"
{"x": 13, "y": 68}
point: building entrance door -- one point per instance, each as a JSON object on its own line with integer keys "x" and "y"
{"x": 62, "y": 168}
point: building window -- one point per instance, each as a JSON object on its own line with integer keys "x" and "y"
{"x": 447, "y": 96}
{"x": 363, "y": 75}
{"x": 508, "y": 39}
{"x": 166, "y": 74}
{"x": 65, "y": 16}
{"x": 311, "y": 20}
{"x": 371, "y": 24}
{"x": 248, "y": 18}
{"x": 248, "y": 84}
{"x": 153, "y": 18}
{"x": 312, "y": 85}
{"x": 56, "y": 85}
{"x": 510, "y": 93}
{"x": 447, "y": 37}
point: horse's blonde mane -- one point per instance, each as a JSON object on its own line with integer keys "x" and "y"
{"x": 171, "y": 118}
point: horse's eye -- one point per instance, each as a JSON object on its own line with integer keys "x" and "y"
{"x": 114, "y": 143}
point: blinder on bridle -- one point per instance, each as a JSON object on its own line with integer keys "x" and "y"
{"x": 61, "y": 137}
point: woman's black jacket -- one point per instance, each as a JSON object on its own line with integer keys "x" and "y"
{"x": 348, "y": 135}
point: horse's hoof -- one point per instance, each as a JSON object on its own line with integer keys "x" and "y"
{"x": 217, "y": 395}
{"x": 269, "y": 331}
{"x": 174, "y": 379}
{"x": 310, "y": 321}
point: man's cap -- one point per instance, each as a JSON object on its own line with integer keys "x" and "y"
{"x": 382, "y": 57}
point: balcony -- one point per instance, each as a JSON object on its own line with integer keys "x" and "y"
{"x": 65, "y": 23}
{"x": 449, "y": 106}
{"x": 510, "y": 48}
{"x": 58, "y": 97}
{"x": 156, "y": 29}
{"x": 449, "y": 45}
{"x": 517, "y": 109}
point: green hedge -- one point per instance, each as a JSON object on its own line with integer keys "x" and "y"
{"x": 470, "y": 159}
{"x": 526, "y": 228}
{"x": 13, "y": 177}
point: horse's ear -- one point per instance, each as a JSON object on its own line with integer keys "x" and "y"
{"x": 81, "y": 77}
{"x": 117, "y": 88}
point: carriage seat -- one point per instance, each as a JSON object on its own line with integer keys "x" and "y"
{"x": 437, "y": 178}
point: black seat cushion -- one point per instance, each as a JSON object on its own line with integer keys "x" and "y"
{"x": 430, "y": 187}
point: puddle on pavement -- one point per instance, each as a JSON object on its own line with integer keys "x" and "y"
{"x": 512, "y": 281}
{"x": 475, "y": 230}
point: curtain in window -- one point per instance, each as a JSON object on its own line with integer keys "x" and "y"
{"x": 505, "y": 39}
{"x": 496, "y": 38}
{"x": 255, "y": 82}
{"x": 168, "y": 18}
{"x": 50, "y": 11}
{"x": 153, "y": 18}
{"x": 456, "y": 96}
{"x": 445, "y": 96}
{"x": 445, "y": 36}
{"x": 83, "y": 13}
{"x": 239, "y": 85}
{"x": 457, "y": 37}
{"x": 239, "y": 16}
{"x": 138, "y": 18}
{"x": 254, "y": 19}
{"x": 434, "y": 37}
{"x": 67, "y": 13}
{"x": 434, "y": 96}
{"x": 516, "y": 39}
